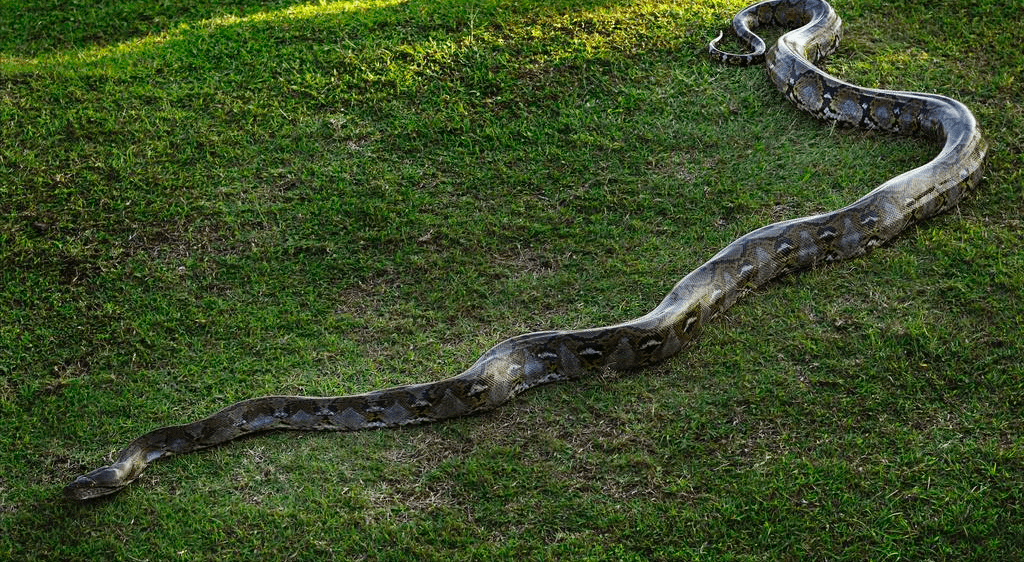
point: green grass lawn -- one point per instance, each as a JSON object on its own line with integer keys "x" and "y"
{"x": 205, "y": 201}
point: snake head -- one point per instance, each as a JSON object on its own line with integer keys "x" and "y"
{"x": 98, "y": 483}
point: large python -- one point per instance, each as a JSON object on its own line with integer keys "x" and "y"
{"x": 528, "y": 360}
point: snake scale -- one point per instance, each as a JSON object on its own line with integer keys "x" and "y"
{"x": 528, "y": 360}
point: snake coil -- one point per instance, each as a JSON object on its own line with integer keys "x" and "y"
{"x": 528, "y": 360}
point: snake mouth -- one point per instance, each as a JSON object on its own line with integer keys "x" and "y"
{"x": 86, "y": 488}
{"x": 82, "y": 488}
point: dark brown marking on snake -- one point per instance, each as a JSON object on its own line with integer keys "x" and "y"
{"x": 752, "y": 260}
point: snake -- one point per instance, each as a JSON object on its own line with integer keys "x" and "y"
{"x": 528, "y": 360}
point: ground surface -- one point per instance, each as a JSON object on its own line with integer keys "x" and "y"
{"x": 207, "y": 201}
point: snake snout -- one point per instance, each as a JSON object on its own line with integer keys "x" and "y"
{"x": 100, "y": 482}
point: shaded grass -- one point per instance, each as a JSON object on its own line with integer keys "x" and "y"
{"x": 204, "y": 203}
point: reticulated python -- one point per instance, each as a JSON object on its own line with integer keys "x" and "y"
{"x": 528, "y": 360}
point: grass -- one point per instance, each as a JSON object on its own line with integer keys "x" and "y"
{"x": 207, "y": 201}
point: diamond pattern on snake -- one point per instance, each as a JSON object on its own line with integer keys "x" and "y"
{"x": 529, "y": 360}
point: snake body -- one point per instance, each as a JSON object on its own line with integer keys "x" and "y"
{"x": 528, "y": 360}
